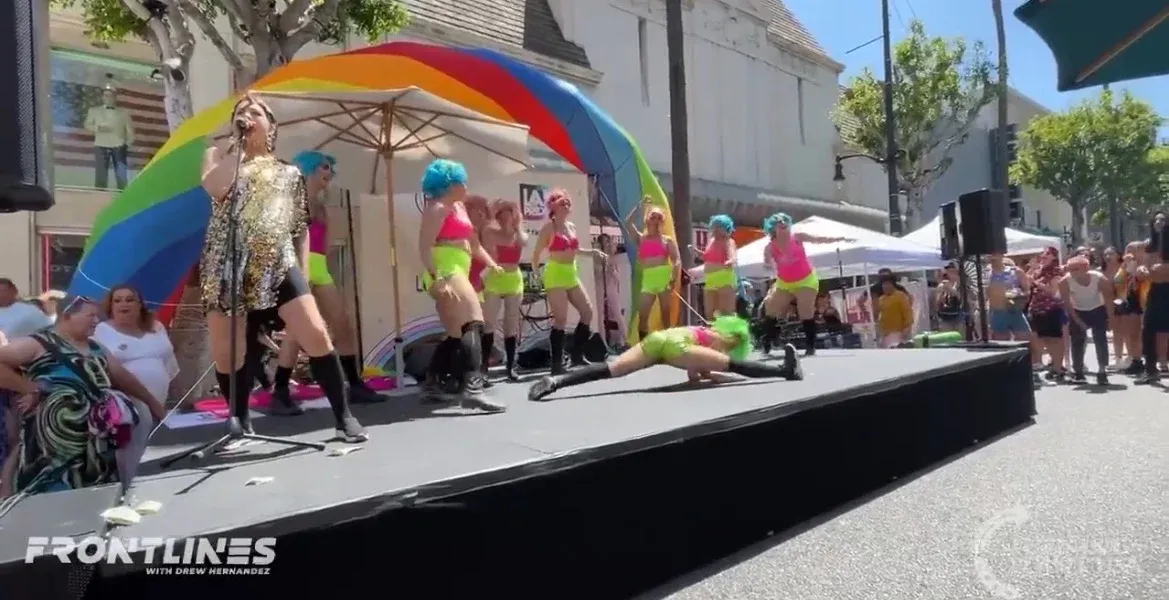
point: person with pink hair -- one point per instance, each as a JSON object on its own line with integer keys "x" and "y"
{"x": 562, "y": 283}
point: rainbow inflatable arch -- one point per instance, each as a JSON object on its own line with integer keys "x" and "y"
{"x": 151, "y": 235}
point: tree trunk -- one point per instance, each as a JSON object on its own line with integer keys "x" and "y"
{"x": 1077, "y": 222}
{"x": 188, "y": 331}
{"x": 1003, "y": 176}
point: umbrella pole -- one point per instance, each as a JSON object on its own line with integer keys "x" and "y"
{"x": 353, "y": 276}
{"x": 399, "y": 360}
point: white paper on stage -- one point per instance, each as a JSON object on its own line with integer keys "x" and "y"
{"x": 1018, "y": 242}
{"x": 848, "y": 259}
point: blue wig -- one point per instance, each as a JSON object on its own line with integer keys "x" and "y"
{"x": 723, "y": 222}
{"x": 309, "y": 161}
{"x": 770, "y": 224}
{"x": 441, "y": 175}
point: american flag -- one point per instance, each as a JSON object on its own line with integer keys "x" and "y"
{"x": 73, "y": 145}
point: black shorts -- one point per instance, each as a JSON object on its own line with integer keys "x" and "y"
{"x": 294, "y": 286}
{"x": 1048, "y": 325}
{"x": 1157, "y": 309}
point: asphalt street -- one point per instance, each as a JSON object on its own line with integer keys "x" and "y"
{"x": 1073, "y": 507}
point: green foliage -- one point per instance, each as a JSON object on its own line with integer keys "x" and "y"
{"x": 1095, "y": 151}
{"x": 106, "y": 20}
{"x": 940, "y": 86}
{"x": 111, "y": 20}
{"x": 372, "y": 19}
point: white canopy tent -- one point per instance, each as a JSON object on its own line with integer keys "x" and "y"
{"x": 863, "y": 253}
{"x": 1018, "y": 242}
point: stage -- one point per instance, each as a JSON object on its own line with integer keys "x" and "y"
{"x": 606, "y": 490}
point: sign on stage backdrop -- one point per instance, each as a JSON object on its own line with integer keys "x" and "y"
{"x": 419, "y": 320}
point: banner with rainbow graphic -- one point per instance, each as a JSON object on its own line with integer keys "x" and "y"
{"x": 151, "y": 235}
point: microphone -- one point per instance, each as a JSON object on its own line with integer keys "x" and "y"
{"x": 242, "y": 126}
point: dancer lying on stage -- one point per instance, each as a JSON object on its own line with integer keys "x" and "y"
{"x": 660, "y": 263}
{"x": 272, "y": 259}
{"x": 505, "y": 242}
{"x": 318, "y": 169}
{"x": 704, "y": 352}
{"x": 446, "y": 244}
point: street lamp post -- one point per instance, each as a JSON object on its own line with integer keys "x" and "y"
{"x": 890, "y": 161}
{"x": 891, "y": 167}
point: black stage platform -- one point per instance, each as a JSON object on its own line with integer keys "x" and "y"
{"x": 610, "y": 489}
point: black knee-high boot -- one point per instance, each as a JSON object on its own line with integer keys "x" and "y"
{"x": 790, "y": 370}
{"x": 328, "y": 374}
{"x": 359, "y": 393}
{"x": 238, "y": 399}
{"x": 580, "y": 341}
{"x": 809, "y": 336}
{"x": 547, "y": 385}
{"x": 509, "y": 349}
{"x": 556, "y": 344}
{"x": 487, "y": 343}
{"x": 472, "y": 375}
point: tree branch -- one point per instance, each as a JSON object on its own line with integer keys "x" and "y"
{"x": 309, "y": 27}
{"x": 297, "y": 13}
{"x": 203, "y": 21}
{"x": 162, "y": 35}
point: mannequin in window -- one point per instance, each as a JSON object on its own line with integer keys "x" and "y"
{"x": 113, "y": 134}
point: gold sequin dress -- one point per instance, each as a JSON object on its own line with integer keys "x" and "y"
{"x": 272, "y": 213}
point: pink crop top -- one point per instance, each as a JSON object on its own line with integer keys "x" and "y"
{"x": 652, "y": 248}
{"x": 562, "y": 242}
{"x": 456, "y": 226}
{"x": 702, "y": 336}
{"x": 318, "y": 237}
{"x": 715, "y": 253}
{"x": 792, "y": 264}
{"x": 508, "y": 254}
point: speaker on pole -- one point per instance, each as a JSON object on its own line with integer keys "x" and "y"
{"x": 982, "y": 218}
{"x": 25, "y": 155}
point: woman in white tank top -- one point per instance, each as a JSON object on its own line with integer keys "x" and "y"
{"x": 1088, "y": 297}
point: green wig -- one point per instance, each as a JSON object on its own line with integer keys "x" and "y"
{"x": 740, "y": 329}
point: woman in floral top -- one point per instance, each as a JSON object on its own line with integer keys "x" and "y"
{"x": 1046, "y": 313}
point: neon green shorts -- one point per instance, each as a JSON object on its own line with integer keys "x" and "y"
{"x": 560, "y": 275}
{"x": 667, "y": 344}
{"x": 448, "y": 262}
{"x": 809, "y": 282}
{"x": 656, "y": 279}
{"x": 318, "y": 270}
{"x": 504, "y": 284}
{"x": 722, "y": 278}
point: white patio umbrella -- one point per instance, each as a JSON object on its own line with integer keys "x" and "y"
{"x": 385, "y": 139}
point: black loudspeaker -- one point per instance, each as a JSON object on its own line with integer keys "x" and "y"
{"x": 25, "y": 157}
{"x": 982, "y": 223}
{"x": 951, "y": 245}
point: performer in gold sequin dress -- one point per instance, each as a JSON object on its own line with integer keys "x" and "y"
{"x": 272, "y": 215}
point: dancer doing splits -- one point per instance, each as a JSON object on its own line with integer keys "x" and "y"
{"x": 505, "y": 242}
{"x": 704, "y": 352}
{"x": 720, "y": 284}
{"x": 794, "y": 276}
{"x": 447, "y": 243}
{"x": 660, "y": 264}
{"x": 318, "y": 169}
{"x": 272, "y": 257}
{"x": 561, "y": 280}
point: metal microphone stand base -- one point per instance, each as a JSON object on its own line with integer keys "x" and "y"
{"x": 235, "y": 432}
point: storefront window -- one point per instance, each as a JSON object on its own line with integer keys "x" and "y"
{"x": 108, "y": 119}
{"x": 60, "y": 255}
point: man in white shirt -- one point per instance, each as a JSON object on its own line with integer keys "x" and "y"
{"x": 18, "y": 319}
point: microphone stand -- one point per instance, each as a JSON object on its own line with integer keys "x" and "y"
{"x": 235, "y": 430}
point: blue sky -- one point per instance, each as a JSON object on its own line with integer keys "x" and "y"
{"x": 1032, "y": 70}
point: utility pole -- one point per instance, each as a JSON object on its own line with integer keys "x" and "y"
{"x": 890, "y": 129}
{"x": 679, "y": 132}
